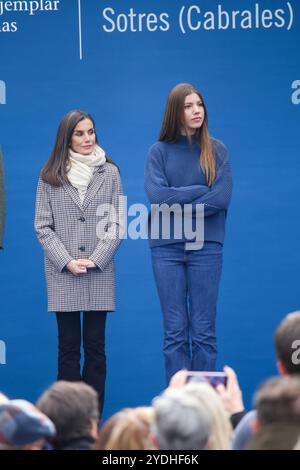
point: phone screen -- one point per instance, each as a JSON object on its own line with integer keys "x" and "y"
{"x": 214, "y": 378}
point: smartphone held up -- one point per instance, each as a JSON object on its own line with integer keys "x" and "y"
{"x": 213, "y": 378}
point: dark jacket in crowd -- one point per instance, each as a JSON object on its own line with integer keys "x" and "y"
{"x": 84, "y": 443}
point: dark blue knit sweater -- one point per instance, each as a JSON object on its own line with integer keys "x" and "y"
{"x": 173, "y": 176}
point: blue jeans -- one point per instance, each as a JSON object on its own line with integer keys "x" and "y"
{"x": 188, "y": 283}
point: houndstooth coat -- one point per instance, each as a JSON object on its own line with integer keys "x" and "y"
{"x": 66, "y": 229}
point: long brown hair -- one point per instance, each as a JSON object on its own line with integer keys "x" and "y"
{"x": 173, "y": 123}
{"x": 55, "y": 170}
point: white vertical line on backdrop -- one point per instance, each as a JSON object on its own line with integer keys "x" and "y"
{"x": 79, "y": 29}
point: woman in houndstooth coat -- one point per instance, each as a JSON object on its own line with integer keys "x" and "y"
{"x": 77, "y": 221}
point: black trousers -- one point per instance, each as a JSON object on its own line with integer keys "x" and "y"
{"x": 69, "y": 343}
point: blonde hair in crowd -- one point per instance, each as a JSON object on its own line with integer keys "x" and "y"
{"x": 221, "y": 436}
{"x": 127, "y": 430}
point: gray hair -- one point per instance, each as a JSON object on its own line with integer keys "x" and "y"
{"x": 206, "y": 395}
{"x": 71, "y": 406}
{"x": 181, "y": 423}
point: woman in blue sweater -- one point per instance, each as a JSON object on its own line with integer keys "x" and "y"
{"x": 188, "y": 182}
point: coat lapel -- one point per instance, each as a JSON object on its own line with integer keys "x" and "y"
{"x": 73, "y": 193}
{"x": 94, "y": 186}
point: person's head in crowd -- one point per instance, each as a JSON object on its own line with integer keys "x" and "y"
{"x": 105, "y": 432}
{"x": 130, "y": 429}
{"x": 23, "y": 426}
{"x": 181, "y": 422}
{"x": 205, "y": 394}
{"x": 278, "y": 400}
{"x": 277, "y": 403}
{"x": 287, "y": 342}
{"x": 74, "y": 409}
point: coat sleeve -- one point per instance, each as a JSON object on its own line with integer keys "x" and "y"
{"x": 2, "y": 201}
{"x": 157, "y": 187}
{"x": 112, "y": 231}
{"x": 219, "y": 195}
{"x": 44, "y": 228}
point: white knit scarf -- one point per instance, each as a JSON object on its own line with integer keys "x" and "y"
{"x": 82, "y": 168}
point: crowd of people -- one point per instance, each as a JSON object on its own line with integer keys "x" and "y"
{"x": 188, "y": 415}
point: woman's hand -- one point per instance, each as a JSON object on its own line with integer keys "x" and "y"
{"x": 179, "y": 379}
{"x": 87, "y": 263}
{"x": 231, "y": 395}
{"x": 76, "y": 267}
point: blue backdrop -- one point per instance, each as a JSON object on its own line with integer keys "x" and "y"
{"x": 102, "y": 57}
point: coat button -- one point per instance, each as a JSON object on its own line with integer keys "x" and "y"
{"x": 82, "y": 248}
{"x": 82, "y": 219}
